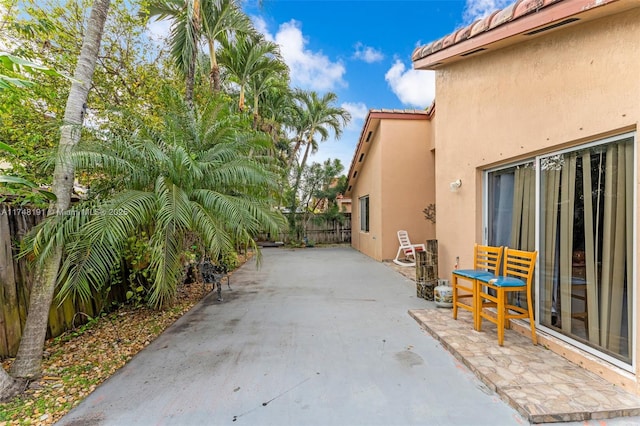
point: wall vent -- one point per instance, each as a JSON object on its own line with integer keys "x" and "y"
{"x": 552, "y": 26}
{"x": 368, "y": 137}
{"x": 361, "y": 157}
{"x": 473, "y": 52}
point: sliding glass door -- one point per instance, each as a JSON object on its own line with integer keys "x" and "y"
{"x": 511, "y": 207}
{"x": 586, "y": 245}
{"x": 585, "y": 212}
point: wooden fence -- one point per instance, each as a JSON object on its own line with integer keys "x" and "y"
{"x": 16, "y": 281}
{"x": 319, "y": 232}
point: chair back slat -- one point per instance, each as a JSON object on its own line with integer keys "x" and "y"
{"x": 519, "y": 263}
{"x": 403, "y": 237}
{"x": 487, "y": 257}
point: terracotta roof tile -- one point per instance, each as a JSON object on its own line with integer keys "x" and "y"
{"x": 400, "y": 111}
{"x": 496, "y": 19}
{"x": 464, "y": 33}
{"x": 503, "y": 16}
{"x": 482, "y": 25}
{"x": 526, "y": 6}
{"x": 448, "y": 40}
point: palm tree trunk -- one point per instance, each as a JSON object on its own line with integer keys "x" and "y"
{"x": 28, "y": 363}
{"x": 214, "y": 74}
{"x": 241, "y": 100}
{"x": 306, "y": 154}
{"x": 255, "y": 112}
{"x": 10, "y": 387}
{"x": 190, "y": 81}
{"x": 299, "y": 173}
{"x": 294, "y": 152}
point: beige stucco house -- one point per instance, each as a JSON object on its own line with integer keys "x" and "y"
{"x": 549, "y": 92}
{"x": 391, "y": 181}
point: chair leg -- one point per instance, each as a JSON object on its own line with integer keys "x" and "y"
{"x": 454, "y": 285}
{"x": 475, "y": 304}
{"x": 500, "y": 312}
{"x": 397, "y": 259}
{"x": 478, "y": 308}
{"x": 532, "y": 324}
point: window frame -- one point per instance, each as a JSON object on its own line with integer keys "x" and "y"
{"x": 364, "y": 208}
{"x": 536, "y": 160}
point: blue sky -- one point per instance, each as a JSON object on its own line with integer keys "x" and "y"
{"x": 361, "y": 50}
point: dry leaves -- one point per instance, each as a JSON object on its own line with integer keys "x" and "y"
{"x": 79, "y": 360}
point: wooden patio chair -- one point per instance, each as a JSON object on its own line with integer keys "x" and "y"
{"x": 407, "y": 249}
{"x": 486, "y": 261}
{"x": 517, "y": 276}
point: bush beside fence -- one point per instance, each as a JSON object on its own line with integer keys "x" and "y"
{"x": 319, "y": 232}
{"x": 16, "y": 281}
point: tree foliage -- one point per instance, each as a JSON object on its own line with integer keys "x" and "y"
{"x": 192, "y": 175}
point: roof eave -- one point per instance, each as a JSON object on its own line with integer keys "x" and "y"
{"x": 368, "y": 131}
{"x": 524, "y": 28}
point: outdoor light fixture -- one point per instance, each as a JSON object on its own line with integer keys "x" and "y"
{"x": 455, "y": 185}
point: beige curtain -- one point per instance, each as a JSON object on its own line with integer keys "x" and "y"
{"x": 523, "y": 219}
{"x": 567, "y": 211}
{"x": 550, "y": 196}
{"x": 524, "y": 209}
{"x": 590, "y": 244}
{"x": 607, "y": 194}
{"x": 616, "y": 246}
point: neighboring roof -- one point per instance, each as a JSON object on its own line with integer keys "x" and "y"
{"x": 517, "y": 22}
{"x": 371, "y": 125}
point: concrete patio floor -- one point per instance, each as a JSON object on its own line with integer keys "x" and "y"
{"x": 540, "y": 384}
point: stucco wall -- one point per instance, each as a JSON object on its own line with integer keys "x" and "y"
{"x": 368, "y": 183}
{"x": 398, "y": 175}
{"x": 408, "y": 182}
{"x": 569, "y": 86}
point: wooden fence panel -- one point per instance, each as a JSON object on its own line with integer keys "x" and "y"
{"x": 333, "y": 232}
{"x": 16, "y": 281}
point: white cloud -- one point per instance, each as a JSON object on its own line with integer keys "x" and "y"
{"x": 477, "y": 9}
{"x": 367, "y": 54}
{"x": 412, "y": 87}
{"x": 358, "y": 111}
{"x": 309, "y": 69}
{"x": 261, "y": 26}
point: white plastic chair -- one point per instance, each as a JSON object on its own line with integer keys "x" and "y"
{"x": 407, "y": 249}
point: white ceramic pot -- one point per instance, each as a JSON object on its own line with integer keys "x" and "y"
{"x": 443, "y": 294}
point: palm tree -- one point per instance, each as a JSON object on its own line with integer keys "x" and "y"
{"x": 28, "y": 362}
{"x": 318, "y": 116}
{"x": 277, "y": 111}
{"x": 192, "y": 177}
{"x": 186, "y": 31}
{"x": 268, "y": 80}
{"x": 246, "y": 56}
{"x": 221, "y": 19}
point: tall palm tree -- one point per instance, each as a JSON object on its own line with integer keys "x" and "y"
{"x": 247, "y": 56}
{"x": 277, "y": 111}
{"x": 221, "y": 19}
{"x": 318, "y": 116}
{"x": 186, "y": 31}
{"x": 28, "y": 362}
{"x": 194, "y": 176}
{"x": 268, "y": 79}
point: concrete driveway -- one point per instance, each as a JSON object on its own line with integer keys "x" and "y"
{"x": 315, "y": 336}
